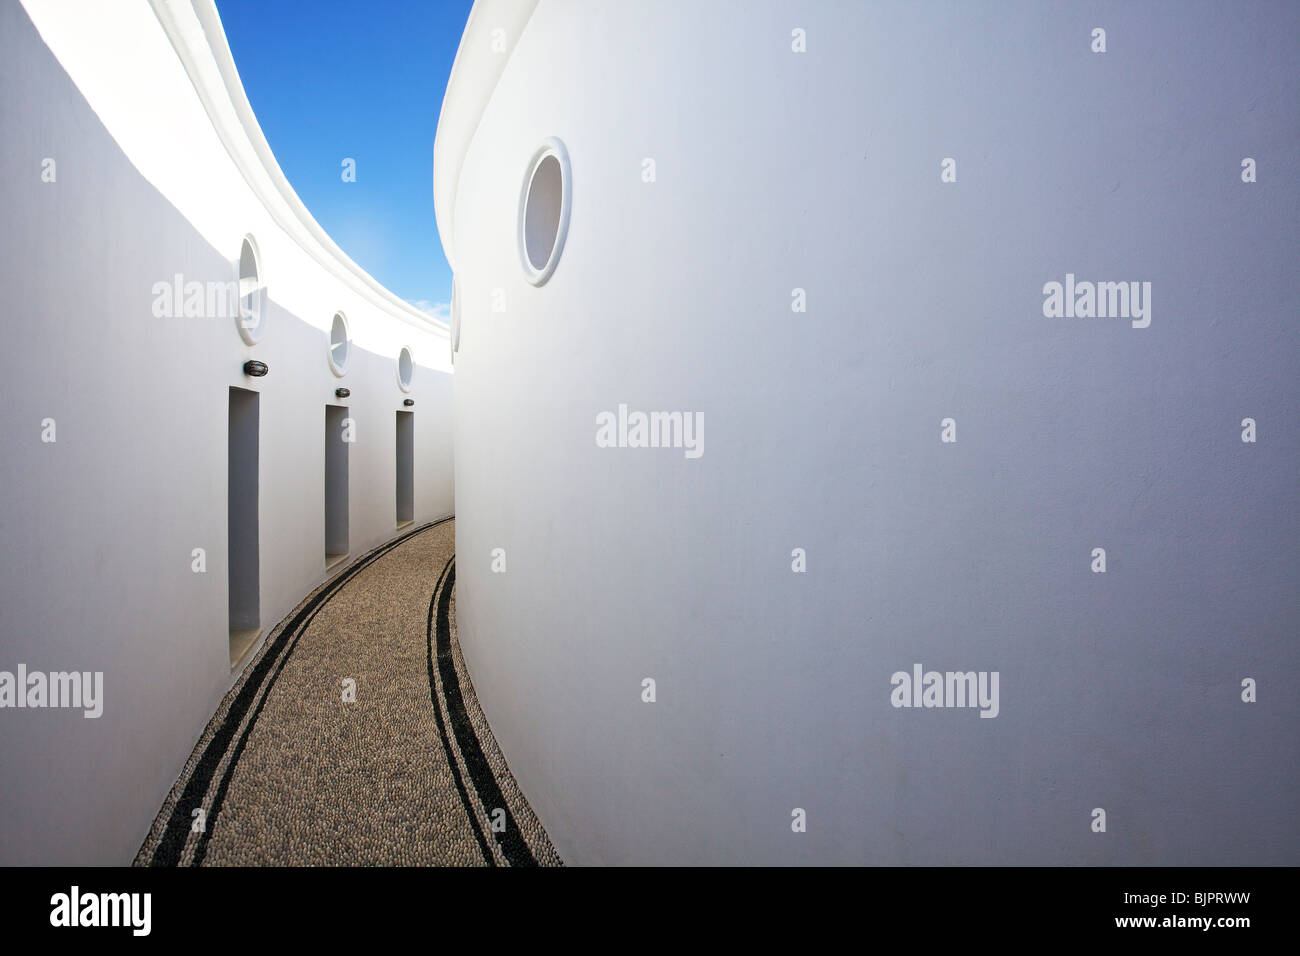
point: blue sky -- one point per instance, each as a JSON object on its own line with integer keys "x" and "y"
{"x": 336, "y": 79}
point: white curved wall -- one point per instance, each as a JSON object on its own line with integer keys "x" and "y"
{"x": 99, "y": 526}
{"x": 778, "y": 170}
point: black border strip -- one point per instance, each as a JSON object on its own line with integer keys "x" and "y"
{"x": 512, "y": 842}
{"x": 171, "y": 846}
{"x": 442, "y": 726}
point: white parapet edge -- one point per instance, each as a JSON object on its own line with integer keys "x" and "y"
{"x": 491, "y": 33}
{"x": 207, "y": 59}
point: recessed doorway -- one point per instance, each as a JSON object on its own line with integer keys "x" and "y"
{"x": 405, "y": 468}
{"x": 337, "y": 427}
{"x": 241, "y": 523}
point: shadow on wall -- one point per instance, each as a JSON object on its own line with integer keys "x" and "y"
{"x": 128, "y": 422}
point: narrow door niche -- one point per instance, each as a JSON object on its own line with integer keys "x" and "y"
{"x": 336, "y": 484}
{"x": 405, "y": 468}
{"x": 241, "y": 529}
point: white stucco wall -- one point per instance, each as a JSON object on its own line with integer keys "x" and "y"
{"x": 99, "y": 525}
{"x": 820, "y": 171}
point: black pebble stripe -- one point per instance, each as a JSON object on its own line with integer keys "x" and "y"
{"x": 489, "y": 793}
{"x": 251, "y": 697}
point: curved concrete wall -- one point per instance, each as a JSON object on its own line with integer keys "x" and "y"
{"x": 154, "y": 176}
{"x": 822, "y": 171}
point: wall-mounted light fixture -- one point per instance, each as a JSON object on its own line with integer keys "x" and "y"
{"x": 408, "y": 402}
{"x": 342, "y": 392}
{"x": 255, "y": 368}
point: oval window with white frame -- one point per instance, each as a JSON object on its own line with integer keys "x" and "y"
{"x": 251, "y": 317}
{"x": 405, "y": 369}
{"x": 339, "y": 344}
{"x": 544, "y": 210}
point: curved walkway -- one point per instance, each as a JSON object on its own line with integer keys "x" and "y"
{"x": 290, "y": 772}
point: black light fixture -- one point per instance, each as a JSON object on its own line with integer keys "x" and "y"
{"x": 255, "y": 368}
{"x": 408, "y": 402}
{"x": 342, "y": 392}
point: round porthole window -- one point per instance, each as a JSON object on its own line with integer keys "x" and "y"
{"x": 251, "y": 318}
{"x": 544, "y": 210}
{"x": 405, "y": 369}
{"x": 338, "y": 353}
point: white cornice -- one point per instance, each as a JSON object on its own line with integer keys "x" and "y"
{"x": 480, "y": 61}
{"x": 195, "y": 32}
